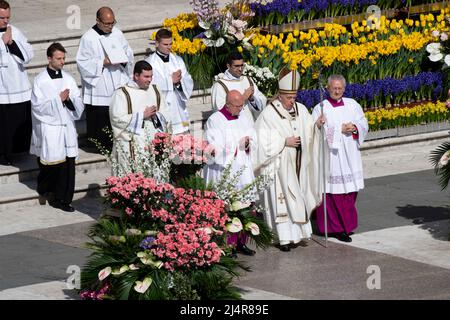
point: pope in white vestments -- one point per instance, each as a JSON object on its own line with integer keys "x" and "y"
{"x": 233, "y": 79}
{"x": 345, "y": 131}
{"x": 15, "y": 89}
{"x": 173, "y": 79}
{"x": 234, "y": 140}
{"x": 138, "y": 111}
{"x": 289, "y": 140}
{"x": 100, "y": 74}
{"x": 56, "y": 104}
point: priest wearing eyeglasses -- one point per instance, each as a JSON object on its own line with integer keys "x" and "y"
{"x": 101, "y": 74}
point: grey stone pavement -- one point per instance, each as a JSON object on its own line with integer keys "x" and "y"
{"x": 403, "y": 231}
{"x": 403, "y": 228}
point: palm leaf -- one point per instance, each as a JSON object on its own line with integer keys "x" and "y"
{"x": 442, "y": 172}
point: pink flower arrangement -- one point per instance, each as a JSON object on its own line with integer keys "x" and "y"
{"x": 190, "y": 219}
{"x": 184, "y": 149}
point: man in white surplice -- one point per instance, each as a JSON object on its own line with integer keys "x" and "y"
{"x": 288, "y": 141}
{"x": 233, "y": 79}
{"x": 173, "y": 79}
{"x": 138, "y": 111}
{"x": 345, "y": 131}
{"x": 15, "y": 89}
{"x": 234, "y": 141}
{"x": 99, "y": 76}
{"x": 56, "y": 104}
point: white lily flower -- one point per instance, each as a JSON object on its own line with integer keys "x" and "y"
{"x": 447, "y": 60}
{"x": 234, "y": 226}
{"x": 238, "y": 205}
{"x": 133, "y": 267}
{"x": 444, "y": 159}
{"x": 434, "y": 48}
{"x": 104, "y": 273}
{"x": 253, "y": 228}
{"x": 120, "y": 271}
{"x": 133, "y": 232}
{"x": 142, "y": 286}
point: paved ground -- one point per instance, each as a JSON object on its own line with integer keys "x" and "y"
{"x": 403, "y": 223}
{"x": 403, "y": 230}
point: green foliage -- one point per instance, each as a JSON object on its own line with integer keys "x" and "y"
{"x": 443, "y": 171}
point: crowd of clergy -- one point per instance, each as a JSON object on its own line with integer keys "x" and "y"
{"x": 126, "y": 103}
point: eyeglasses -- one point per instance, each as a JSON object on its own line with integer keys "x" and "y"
{"x": 111, "y": 24}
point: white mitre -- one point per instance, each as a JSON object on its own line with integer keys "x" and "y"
{"x": 288, "y": 81}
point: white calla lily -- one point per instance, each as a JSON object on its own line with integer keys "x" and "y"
{"x": 253, "y": 228}
{"x": 447, "y": 60}
{"x": 104, "y": 273}
{"x": 142, "y": 286}
{"x": 434, "y": 48}
{"x": 234, "y": 226}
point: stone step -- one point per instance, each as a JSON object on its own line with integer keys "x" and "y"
{"x": 25, "y": 167}
{"x": 138, "y": 38}
{"x": 90, "y": 183}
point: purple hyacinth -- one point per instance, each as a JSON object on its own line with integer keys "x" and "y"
{"x": 147, "y": 243}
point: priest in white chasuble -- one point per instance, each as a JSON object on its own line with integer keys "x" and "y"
{"x": 234, "y": 140}
{"x": 102, "y": 72}
{"x": 173, "y": 79}
{"x": 15, "y": 89}
{"x": 233, "y": 79}
{"x": 56, "y": 104}
{"x": 138, "y": 111}
{"x": 289, "y": 140}
{"x": 345, "y": 130}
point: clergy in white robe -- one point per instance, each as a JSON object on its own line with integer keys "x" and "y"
{"x": 138, "y": 111}
{"x": 100, "y": 77}
{"x": 289, "y": 140}
{"x": 15, "y": 88}
{"x": 173, "y": 79}
{"x": 233, "y": 79}
{"x": 56, "y": 104}
{"x": 234, "y": 140}
{"x": 345, "y": 131}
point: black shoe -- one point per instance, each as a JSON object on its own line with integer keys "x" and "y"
{"x": 285, "y": 247}
{"x": 42, "y": 199}
{"x": 344, "y": 237}
{"x": 5, "y": 161}
{"x": 245, "y": 250}
{"x": 63, "y": 206}
{"x": 233, "y": 254}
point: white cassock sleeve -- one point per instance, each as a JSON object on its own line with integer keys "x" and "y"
{"x": 89, "y": 64}
{"x": 333, "y": 132}
{"x": 259, "y": 99}
{"x": 270, "y": 141}
{"x": 218, "y": 96}
{"x": 25, "y": 48}
{"x": 47, "y": 106}
{"x": 129, "y": 53}
{"x": 121, "y": 119}
{"x": 224, "y": 147}
{"x": 77, "y": 101}
{"x": 361, "y": 123}
{"x": 187, "y": 84}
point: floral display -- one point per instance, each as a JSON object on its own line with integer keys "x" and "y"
{"x": 264, "y": 79}
{"x": 386, "y": 92}
{"x": 286, "y": 11}
{"x": 186, "y": 153}
{"x": 407, "y": 116}
{"x": 440, "y": 51}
